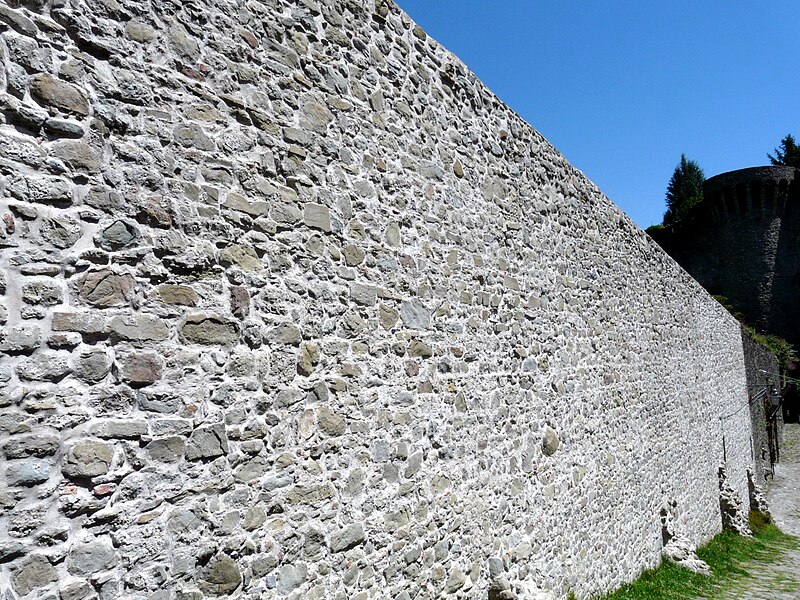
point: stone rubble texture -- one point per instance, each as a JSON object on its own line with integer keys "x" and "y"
{"x": 294, "y": 307}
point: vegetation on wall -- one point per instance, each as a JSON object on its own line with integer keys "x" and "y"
{"x": 731, "y": 557}
{"x": 783, "y": 350}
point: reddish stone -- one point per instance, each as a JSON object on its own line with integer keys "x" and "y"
{"x": 104, "y": 489}
{"x": 69, "y": 489}
{"x": 140, "y": 368}
{"x": 105, "y": 289}
{"x": 240, "y": 302}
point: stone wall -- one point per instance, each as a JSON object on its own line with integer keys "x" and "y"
{"x": 763, "y": 372}
{"x": 294, "y": 307}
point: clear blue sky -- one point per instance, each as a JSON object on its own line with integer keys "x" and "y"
{"x": 623, "y": 87}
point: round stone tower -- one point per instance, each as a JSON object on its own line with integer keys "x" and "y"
{"x": 743, "y": 242}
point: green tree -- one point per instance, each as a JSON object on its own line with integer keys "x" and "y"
{"x": 684, "y": 190}
{"x": 788, "y": 153}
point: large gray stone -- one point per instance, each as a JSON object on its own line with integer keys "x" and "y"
{"x": 39, "y": 445}
{"x": 193, "y": 136}
{"x": 106, "y": 288}
{"x": 550, "y": 441}
{"x": 118, "y": 234}
{"x": 88, "y": 458}
{"x": 45, "y": 366}
{"x": 307, "y": 358}
{"x": 414, "y": 314}
{"x": 91, "y": 557}
{"x": 348, "y": 537}
{"x": 240, "y": 256}
{"x": 210, "y": 330}
{"x": 20, "y": 338}
{"x": 41, "y": 293}
{"x": 139, "y": 328}
{"x": 58, "y": 94}
{"x": 317, "y": 216}
{"x": 77, "y": 155}
{"x": 18, "y": 21}
{"x": 139, "y": 369}
{"x": 139, "y": 31}
{"x": 179, "y": 295}
{"x": 169, "y": 449}
{"x": 207, "y": 442}
{"x": 329, "y": 422}
{"x": 285, "y": 334}
{"x": 62, "y": 231}
{"x": 125, "y": 429}
{"x": 42, "y": 190}
{"x": 86, "y": 323}
{"x": 220, "y": 577}
{"x": 290, "y": 577}
{"x": 32, "y": 573}
{"x": 91, "y": 364}
{"x": 27, "y": 472}
{"x": 254, "y": 208}
{"x": 182, "y": 42}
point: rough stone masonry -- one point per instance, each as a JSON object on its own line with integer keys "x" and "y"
{"x": 294, "y": 307}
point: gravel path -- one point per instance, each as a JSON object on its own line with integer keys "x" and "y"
{"x": 779, "y": 580}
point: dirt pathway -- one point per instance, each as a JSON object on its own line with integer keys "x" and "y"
{"x": 779, "y": 580}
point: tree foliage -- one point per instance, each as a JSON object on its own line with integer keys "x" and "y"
{"x": 783, "y": 350}
{"x": 685, "y": 189}
{"x": 787, "y": 153}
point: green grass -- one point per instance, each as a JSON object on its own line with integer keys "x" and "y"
{"x": 726, "y": 554}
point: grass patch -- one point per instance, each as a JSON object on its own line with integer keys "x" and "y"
{"x": 727, "y": 554}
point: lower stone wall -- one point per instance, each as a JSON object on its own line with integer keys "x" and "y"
{"x": 293, "y": 306}
{"x": 763, "y": 372}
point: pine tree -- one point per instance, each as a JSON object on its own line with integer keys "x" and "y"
{"x": 788, "y": 153}
{"x": 684, "y": 190}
